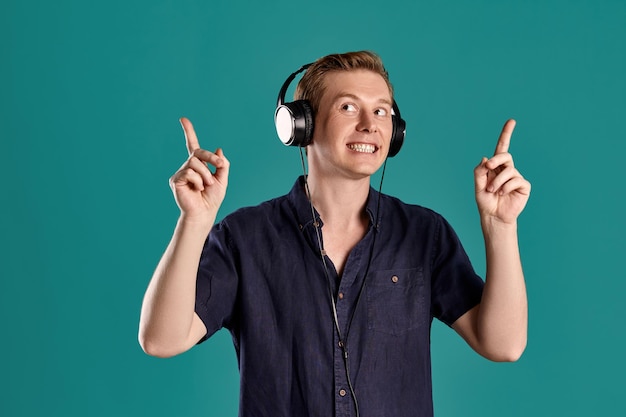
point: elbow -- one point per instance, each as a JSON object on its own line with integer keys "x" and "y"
{"x": 153, "y": 348}
{"x": 507, "y": 354}
{"x": 512, "y": 356}
{"x": 516, "y": 353}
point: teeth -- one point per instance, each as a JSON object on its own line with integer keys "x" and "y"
{"x": 362, "y": 147}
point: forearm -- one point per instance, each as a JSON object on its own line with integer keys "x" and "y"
{"x": 503, "y": 316}
{"x": 168, "y": 307}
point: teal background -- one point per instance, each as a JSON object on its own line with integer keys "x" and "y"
{"x": 90, "y": 97}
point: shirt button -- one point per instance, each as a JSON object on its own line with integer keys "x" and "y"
{"x": 341, "y": 296}
{"x": 342, "y": 392}
{"x": 394, "y": 279}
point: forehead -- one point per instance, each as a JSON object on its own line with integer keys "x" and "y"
{"x": 360, "y": 83}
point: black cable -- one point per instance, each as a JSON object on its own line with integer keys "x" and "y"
{"x": 360, "y": 293}
{"x": 320, "y": 246}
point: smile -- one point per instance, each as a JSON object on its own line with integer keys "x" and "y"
{"x": 362, "y": 147}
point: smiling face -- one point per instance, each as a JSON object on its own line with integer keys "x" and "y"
{"x": 352, "y": 126}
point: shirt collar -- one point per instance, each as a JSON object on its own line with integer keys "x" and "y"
{"x": 300, "y": 202}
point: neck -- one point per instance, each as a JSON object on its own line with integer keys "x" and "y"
{"x": 340, "y": 202}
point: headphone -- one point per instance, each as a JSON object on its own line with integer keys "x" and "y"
{"x": 294, "y": 121}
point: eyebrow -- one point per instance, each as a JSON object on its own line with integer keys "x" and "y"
{"x": 355, "y": 97}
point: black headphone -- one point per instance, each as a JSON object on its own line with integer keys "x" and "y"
{"x": 294, "y": 121}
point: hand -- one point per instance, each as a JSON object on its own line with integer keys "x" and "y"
{"x": 196, "y": 189}
{"x": 501, "y": 191}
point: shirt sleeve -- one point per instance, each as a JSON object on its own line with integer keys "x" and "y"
{"x": 216, "y": 282}
{"x": 456, "y": 288}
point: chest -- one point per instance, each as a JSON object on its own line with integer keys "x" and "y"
{"x": 339, "y": 243}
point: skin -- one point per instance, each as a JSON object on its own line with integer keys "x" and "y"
{"x": 355, "y": 113}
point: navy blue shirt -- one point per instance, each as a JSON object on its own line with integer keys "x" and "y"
{"x": 261, "y": 276}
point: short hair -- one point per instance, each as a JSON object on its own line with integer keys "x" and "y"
{"x": 311, "y": 87}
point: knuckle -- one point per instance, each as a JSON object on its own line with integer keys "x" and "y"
{"x": 177, "y": 175}
{"x": 194, "y": 163}
{"x": 197, "y": 153}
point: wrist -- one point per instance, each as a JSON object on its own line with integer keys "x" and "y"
{"x": 496, "y": 227}
{"x": 199, "y": 222}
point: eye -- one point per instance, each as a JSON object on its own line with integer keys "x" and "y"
{"x": 381, "y": 112}
{"x": 348, "y": 107}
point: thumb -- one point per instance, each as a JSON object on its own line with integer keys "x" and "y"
{"x": 480, "y": 175}
{"x": 222, "y": 167}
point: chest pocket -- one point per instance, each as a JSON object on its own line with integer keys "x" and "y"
{"x": 396, "y": 301}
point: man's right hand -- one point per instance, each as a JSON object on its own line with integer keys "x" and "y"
{"x": 199, "y": 192}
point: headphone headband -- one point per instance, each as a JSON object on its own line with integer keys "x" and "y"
{"x": 283, "y": 90}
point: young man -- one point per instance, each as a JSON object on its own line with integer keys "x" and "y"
{"x": 329, "y": 291}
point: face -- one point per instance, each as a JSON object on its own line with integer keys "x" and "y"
{"x": 352, "y": 126}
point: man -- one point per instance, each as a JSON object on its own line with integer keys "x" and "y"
{"x": 329, "y": 291}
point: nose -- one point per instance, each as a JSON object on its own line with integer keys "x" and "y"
{"x": 367, "y": 123}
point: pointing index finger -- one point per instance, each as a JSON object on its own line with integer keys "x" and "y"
{"x": 505, "y": 137}
{"x": 191, "y": 140}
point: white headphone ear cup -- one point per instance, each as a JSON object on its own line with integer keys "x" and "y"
{"x": 294, "y": 123}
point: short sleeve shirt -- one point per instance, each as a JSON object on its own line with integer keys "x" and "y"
{"x": 261, "y": 276}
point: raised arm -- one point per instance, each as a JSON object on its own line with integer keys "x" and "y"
{"x": 168, "y": 324}
{"x": 497, "y": 328}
